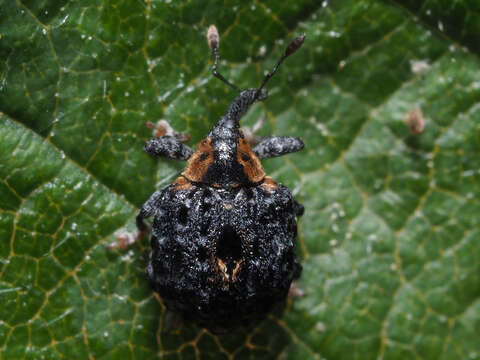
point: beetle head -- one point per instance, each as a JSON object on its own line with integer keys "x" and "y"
{"x": 224, "y": 158}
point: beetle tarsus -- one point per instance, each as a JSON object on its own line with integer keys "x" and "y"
{"x": 250, "y": 133}
{"x": 295, "y": 291}
{"x": 163, "y": 128}
{"x": 125, "y": 239}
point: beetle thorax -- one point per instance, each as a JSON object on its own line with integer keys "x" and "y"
{"x": 225, "y": 158}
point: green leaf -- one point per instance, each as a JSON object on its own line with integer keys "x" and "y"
{"x": 389, "y": 239}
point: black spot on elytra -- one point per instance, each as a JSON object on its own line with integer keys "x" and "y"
{"x": 202, "y": 254}
{"x": 204, "y": 228}
{"x": 183, "y": 215}
{"x": 205, "y": 207}
{"x": 229, "y": 247}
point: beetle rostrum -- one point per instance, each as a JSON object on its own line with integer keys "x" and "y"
{"x": 224, "y": 233}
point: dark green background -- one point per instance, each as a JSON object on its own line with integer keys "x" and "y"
{"x": 390, "y": 239}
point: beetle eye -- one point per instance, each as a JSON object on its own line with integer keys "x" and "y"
{"x": 245, "y": 157}
{"x": 203, "y": 157}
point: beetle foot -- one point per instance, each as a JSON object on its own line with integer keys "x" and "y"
{"x": 126, "y": 239}
{"x": 249, "y": 134}
{"x": 171, "y": 322}
{"x": 295, "y": 291}
{"x": 163, "y": 128}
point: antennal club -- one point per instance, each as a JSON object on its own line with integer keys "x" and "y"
{"x": 292, "y": 47}
{"x": 214, "y": 42}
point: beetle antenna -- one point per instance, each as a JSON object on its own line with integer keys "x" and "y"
{"x": 292, "y": 47}
{"x": 214, "y": 41}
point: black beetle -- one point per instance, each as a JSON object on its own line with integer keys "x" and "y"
{"x": 224, "y": 233}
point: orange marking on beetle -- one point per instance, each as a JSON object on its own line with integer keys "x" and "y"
{"x": 222, "y": 270}
{"x": 238, "y": 267}
{"x": 269, "y": 184}
{"x": 251, "y": 164}
{"x": 182, "y": 184}
{"x": 199, "y": 162}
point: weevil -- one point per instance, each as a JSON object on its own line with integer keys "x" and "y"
{"x": 224, "y": 233}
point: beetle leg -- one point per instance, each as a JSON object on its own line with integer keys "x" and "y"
{"x": 167, "y": 142}
{"x": 163, "y": 128}
{"x": 168, "y": 147}
{"x": 147, "y": 210}
{"x": 125, "y": 239}
{"x": 272, "y": 146}
{"x": 171, "y": 322}
{"x": 298, "y": 208}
